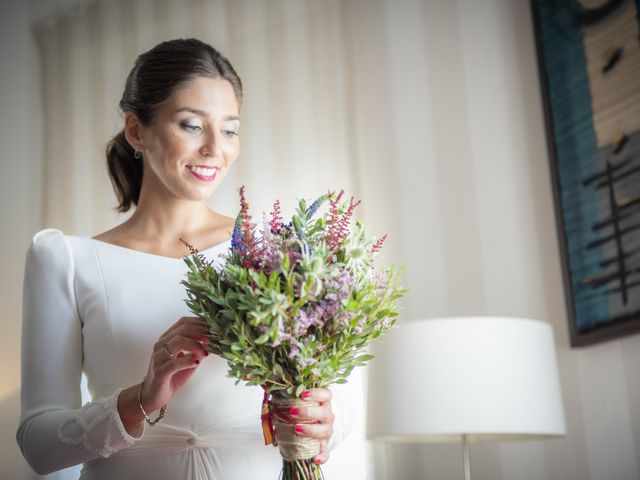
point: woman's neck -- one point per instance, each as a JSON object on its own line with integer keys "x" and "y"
{"x": 167, "y": 220}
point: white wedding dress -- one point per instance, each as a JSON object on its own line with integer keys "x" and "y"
{"x": 97, "y": 308}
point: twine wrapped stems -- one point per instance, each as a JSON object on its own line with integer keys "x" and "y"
{"x": 297, "y": 451}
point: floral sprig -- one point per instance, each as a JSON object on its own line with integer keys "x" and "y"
{"x": 195, "y": 252}
{"x": 378, "y": 245}
{"x": 276, "y": 218}
{"x": 250, "y": 246}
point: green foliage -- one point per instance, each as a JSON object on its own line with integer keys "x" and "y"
{"x": 257, "y": 315}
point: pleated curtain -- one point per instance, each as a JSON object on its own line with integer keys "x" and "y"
{"x": 428, "y": 111}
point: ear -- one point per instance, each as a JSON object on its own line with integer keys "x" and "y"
{"x": 132, "y": 130}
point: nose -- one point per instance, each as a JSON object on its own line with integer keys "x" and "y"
{"x": 212, "y": 145}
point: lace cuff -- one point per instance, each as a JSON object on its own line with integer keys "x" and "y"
{"x": 98, "y": 428}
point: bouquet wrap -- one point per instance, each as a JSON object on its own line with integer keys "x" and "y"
{"x": 292, "y": 446}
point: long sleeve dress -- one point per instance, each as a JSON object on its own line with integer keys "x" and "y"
{"x": 94, "y": 307}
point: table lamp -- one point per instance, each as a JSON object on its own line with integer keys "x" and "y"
{"x": 465, "y": 379}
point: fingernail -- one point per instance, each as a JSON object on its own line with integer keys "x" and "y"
{"x": 197, "y": 361}
{"x": 299, "y": 428}
{"x": 293, "y": 411}
{"x": 305, "y": 394}
{"x": 206, "y": 354}
{"x": 316, "y": 461}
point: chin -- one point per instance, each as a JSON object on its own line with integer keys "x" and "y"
{"x": 201, "y": 195}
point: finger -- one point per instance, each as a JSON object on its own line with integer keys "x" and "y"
{"x": 320, "y": 395}
{"x": 179, "y": 344}
{"x": 188, "y": 344}
{"x": 319, "y": 414}
{"x": 198, "y": 328}
{"x": 319, "y": 431}
{"x": 323, "y": 456}
{"x": 193, "y": 331}
{"x": 182, "y": 321}
{"x": 178, "y": 364}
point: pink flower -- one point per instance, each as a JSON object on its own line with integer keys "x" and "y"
{"x": 378, "y": 244}
{"x": 276, "y": 218}
{"x": 338, "y": 223}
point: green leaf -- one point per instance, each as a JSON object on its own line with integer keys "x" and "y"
{"x": 262, "y": 338}
{"x": 301, "y": 388}
{"x": 364, "y": 358}
{"x": 278, "y": 370}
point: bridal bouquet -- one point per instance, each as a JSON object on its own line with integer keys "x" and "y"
{"x": 293, "y": 309}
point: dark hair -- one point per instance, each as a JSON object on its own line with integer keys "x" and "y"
{"x": 152, "y": 80}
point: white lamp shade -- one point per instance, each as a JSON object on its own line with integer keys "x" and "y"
{"x": 490, "y": 378}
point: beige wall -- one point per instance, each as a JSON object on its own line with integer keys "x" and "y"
{"x": 445, "y": 120}
{"x": 19, "y": 209}
{"x": 476, "y": 168}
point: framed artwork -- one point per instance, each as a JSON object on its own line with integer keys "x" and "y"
{"x": 589, "y": 63}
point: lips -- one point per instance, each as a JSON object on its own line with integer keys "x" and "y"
{"x": 202, "y": 172}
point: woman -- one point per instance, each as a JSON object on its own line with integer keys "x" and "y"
{"x": 112, "y": 306}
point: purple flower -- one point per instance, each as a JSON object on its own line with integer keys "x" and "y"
{"x": 358, "y": 328}
{"x": 315, "y": 205}
{"x": 294, "y": 351}
{"x": 236, "y": 242}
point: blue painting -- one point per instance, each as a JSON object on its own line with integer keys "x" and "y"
{"x": 589, "y": 60}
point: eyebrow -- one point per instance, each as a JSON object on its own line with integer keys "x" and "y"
{"x": 202, "y": 113}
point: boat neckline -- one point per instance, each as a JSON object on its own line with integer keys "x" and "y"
{"x": 140, "y": 252}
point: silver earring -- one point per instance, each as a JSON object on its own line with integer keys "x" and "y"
{"x": 137, "y": 153}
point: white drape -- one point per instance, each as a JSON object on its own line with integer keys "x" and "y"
{"x": 429, "y": 111}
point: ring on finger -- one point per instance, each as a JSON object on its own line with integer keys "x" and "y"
{"x": 165, "y": 347}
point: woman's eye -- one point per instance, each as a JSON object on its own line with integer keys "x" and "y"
{"x": 190, "y": 128}
{"x": 229, "y": 133}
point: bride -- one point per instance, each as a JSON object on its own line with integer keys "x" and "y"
{"x": 111, "y": 306}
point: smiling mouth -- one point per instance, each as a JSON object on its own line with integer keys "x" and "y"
{"x": 203, "y": 173}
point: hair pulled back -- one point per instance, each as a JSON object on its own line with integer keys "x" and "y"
{"x": 152, "y": 80}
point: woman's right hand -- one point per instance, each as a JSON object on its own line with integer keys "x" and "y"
{"x": 187, "y": 339}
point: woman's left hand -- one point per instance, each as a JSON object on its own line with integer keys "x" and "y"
{"x": 321, "y": 417}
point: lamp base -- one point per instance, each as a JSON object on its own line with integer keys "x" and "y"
{"x": 465, "y": 457}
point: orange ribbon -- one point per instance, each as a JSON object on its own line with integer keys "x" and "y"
{"x": 267, "y": 425}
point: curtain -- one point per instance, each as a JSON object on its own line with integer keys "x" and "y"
{"x": 426, "y": 110}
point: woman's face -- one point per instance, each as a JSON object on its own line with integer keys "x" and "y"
{"x": 193, "y": 139}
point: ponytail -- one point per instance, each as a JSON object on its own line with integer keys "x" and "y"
{"x": 125, "y": 171}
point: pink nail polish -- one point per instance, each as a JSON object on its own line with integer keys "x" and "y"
{"x": 299, "y": 428}
{"x": 317, "y": 461}
{"x": 197, "y": 361}
{"x": 305, "y": 394}
{"x": 293, "y": 411}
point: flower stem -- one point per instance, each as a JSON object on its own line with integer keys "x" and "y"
{"x": 301, "y": 470}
